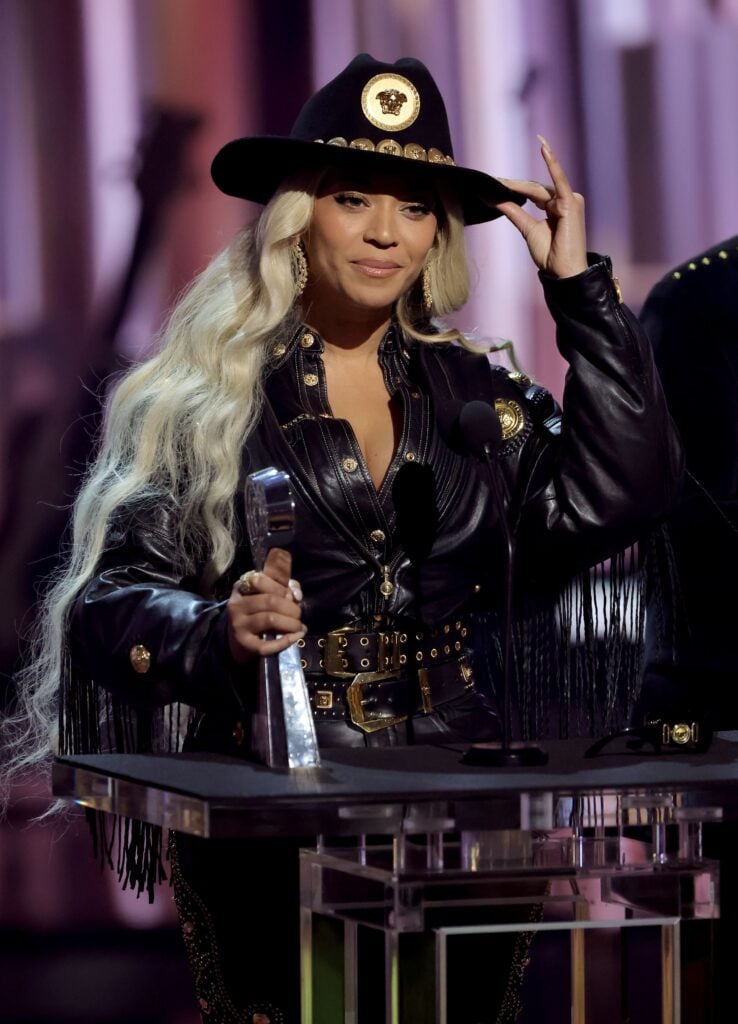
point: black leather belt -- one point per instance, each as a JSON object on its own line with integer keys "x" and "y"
{"x": 344, "y": 652}
{"x": 381, "y": 677}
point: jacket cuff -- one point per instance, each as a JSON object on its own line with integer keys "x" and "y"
{"x": 570, "y": 294}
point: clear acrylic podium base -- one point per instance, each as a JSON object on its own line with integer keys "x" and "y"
{"x": 580, "y": 924}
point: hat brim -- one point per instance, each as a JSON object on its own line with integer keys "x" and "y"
{"x": 253, "y": 168}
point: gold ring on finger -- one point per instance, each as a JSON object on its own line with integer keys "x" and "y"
{"x": 246, "y": 583}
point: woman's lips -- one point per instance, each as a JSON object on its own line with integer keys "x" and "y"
{"x": 376, "y": 268}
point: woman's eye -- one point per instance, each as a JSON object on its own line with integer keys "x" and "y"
{"x": 350, "y": 200}
{"x": 418, "y": 209}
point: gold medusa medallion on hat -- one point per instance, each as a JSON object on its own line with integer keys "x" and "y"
{"x": 372, "y": 118}
{"x": 390, "y": 102}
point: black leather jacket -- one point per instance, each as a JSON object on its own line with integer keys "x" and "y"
{"x": 577, "y": 489}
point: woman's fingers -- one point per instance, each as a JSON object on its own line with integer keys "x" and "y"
{"x": 256, "y": 609}
{"x": 560, "y": 181}
{"x": 259, "y": 646}
{"x": 273, "y": 579}
{"x": 253, "y": 582}
{"x": 536, "y": 191}
{"x": 278, "y": 566}
{"x": 274, "y": 645}
{"x": 264, "y": 614}
{"x": 522, "y": 220}
{"x": 262, "y": 624}
{"x": 557, "y": 242}
{"x": 268, "y": 613}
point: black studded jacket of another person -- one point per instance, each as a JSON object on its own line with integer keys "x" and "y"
{"x": 691, "y": 317}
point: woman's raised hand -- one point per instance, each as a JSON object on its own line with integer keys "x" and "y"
{"x": 265, "y": 602}
{"x": 557, "y": 244}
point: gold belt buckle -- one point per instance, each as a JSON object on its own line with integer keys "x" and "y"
{"x": 334, "y": 663}
{"x": 355, "y": 701}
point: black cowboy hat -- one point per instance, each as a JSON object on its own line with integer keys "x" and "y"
{"x": 372, "y": 117}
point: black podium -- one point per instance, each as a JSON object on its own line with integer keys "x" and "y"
{"x": 587, "y": 862}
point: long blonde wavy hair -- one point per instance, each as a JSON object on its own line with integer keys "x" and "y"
{"x": 175, "y": 425}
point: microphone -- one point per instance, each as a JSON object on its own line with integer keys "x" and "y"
{"x": 479, "y": 431}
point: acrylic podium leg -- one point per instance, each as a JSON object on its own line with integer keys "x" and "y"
{"x": 392, "y": 977}
{"x": 578, "y": 988}
{"x": 670, "y": 980}
{"x": 323, "y": 971}
{"x": 306, "y": 965}
{"x": 350, "y": 972}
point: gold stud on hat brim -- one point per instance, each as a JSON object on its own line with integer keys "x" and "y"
{"x": 253, "y": 168}
{"x": 391, "y": 147}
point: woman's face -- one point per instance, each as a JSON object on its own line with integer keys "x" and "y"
{"x": 367, "y": 242}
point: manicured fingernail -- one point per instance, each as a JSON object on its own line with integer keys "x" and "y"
{"x": 295, "y": 590}
{"x": 543, "y": 142}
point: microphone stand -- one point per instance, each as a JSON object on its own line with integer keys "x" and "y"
{"x": 505, "y": 753}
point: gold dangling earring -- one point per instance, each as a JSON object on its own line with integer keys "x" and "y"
{"x": 427, "y": 293}
{"x": 300, "y": 266}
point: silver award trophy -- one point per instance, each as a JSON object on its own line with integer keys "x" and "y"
{"x": 283, "y": 726}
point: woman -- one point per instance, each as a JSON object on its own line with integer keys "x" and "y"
{"x": 309, "y": 345}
